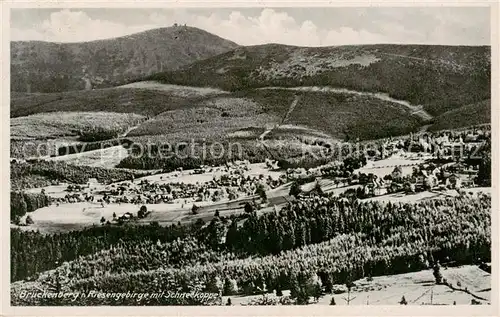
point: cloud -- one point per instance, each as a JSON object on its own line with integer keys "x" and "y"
{"x": 347, "y": 26}
{"x": 269, "y": 27}
{"x": 75, "y": 26}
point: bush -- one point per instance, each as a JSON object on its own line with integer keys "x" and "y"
{"x": 194, "y": 209}
{"x": 403, "y": 301}
{"x": 295, "y": 189}
{"x": 29, "y": 221}
{"x": 142, "y": 211}
{"x": 248, "y": 208}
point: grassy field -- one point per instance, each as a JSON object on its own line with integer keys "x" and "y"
{"x": 185, "y": 113}
{"x": 30, "y": 148}
{"x": 384, "y": 167}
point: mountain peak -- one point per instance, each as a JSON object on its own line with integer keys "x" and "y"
{"x": 50, "y": 67}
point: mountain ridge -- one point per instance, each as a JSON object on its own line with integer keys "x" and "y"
{"x": 38, "y": 66}
{"x": 438, "y": 77}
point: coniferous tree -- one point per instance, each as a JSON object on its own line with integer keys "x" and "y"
{"x": 29, "y": 220}
{"x": 248, "y": 208}
{"x": 437, "y": 273}
{"x": 142, "y": 211}
{"x": 261, "y": 192}
{"x": 295, "y": 189}
{"x": 403, "y": 301}
{"x": 294, "y": 286}
{"x": 194, "y": 209}
{"x": 230, "y": 287}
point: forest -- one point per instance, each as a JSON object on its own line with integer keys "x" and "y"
{"x": 40, "y": 173}
{"x": 21, "y": 203}
{"x": 319, "y": 237}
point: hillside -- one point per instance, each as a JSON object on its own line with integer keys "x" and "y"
{"x": 440, "y": 78}
{"x": 53, "y": 67}
{"x": 350, "y": 241}
{"x": 468, "y": 115}
{"x": 123, "y": 100}
{"x": 186, "y": 112}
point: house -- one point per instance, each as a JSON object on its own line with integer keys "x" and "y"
{"x": 468, "y": 182}
{"x": 126, "y": 216}
{"x": 436, "y": 171}
{"x": 471, "y": 138}
{"x": 375, "y": 187}
{"x": 380, "y": 190}
{"x": 409, "y": 187}
{"x": 415, "y": 147}
{"x": 453, "y": 181}
{"x": 420, "y": 178}
{"x": 455, "y": 149}
{"x": 458, "y": 168}
{"x": 397, "y": 173}
{"x": 471, "y": 172}
{"x": 426, "y": 179}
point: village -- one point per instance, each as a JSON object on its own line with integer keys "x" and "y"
{"x": 416, "y": 163}
{"x": 429, "y": 164}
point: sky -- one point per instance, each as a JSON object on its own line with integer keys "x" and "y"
{"x": 253, "y": 26}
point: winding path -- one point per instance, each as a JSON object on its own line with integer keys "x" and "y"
{"x": 416, "y": 110}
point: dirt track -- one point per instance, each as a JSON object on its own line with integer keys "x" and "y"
{"x": 416, "y": 110}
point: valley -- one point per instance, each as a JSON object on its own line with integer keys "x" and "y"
{"x": 176, "y": 160}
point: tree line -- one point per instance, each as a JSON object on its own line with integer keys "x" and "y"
{"x": 91, "y": 146}
{"x": 335, "y": 239}
{"x": 38, "y": 172}
{"x": 21, "y": 203}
